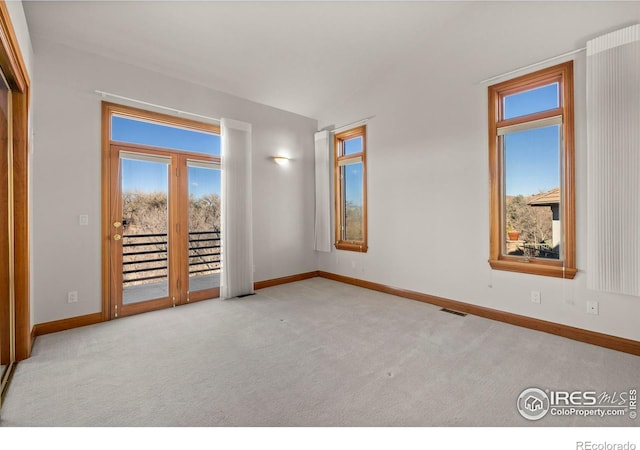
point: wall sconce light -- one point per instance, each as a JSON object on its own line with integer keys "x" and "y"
{"x": 281, "y": 160}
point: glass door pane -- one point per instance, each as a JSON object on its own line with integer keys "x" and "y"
{"x": 204, "y": 225}
{"x": 145, "y": 226}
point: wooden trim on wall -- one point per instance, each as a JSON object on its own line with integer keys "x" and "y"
{"x": 67, "y": 324}
{"x": 21, "y": 229}
{"x": 105, "y": 192}
{"x": 577, "y": 334}
{"x": 165, "y": 119}
{"x": 6, "y": 317}
{"x": 284, "y": 280}
{"x": 91, "y": 319}
{"x": 568, "y": 168}
{"x": 12, "y": 62}
{"x": 15, "y": 70}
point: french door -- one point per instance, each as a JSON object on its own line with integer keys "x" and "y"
{"x": 164, "y": 228}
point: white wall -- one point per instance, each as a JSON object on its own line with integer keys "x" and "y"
{"x": 67, "y": 173}
{"x": 428, "y": 195}
{"x": 19, "y": 22}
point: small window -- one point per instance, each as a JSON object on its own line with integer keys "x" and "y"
{"x": 351, "y": 192}
{"x": 142, "y": 132}
{"x": 531, "y": 160}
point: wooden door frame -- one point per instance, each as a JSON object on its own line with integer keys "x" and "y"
{"x": 108, "y": 110}
{"x": 15, "y": 71}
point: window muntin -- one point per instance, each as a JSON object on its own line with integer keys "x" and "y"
{"x": 532, "y": 176}
{"x": 142, "y": 132}
{"x": 351, "y": 201}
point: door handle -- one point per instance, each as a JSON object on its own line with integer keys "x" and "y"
{"x": 117, "y": 237}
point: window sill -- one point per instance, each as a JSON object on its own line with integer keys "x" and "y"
{"x": 534, "y": 268}
{"x": 352, "y": 246}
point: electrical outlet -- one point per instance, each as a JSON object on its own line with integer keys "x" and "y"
{"x": 592, "y": 308}
{"x": 72, "y": 297}
{"x": 535, "y": 296}
{"x": 83, "y": 220}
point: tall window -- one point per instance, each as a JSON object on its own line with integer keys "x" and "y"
{"x": 531, "y": 162}
{"x": 351, "y": 190}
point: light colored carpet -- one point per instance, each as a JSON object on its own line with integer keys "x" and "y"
{"x": 311, "y": 353}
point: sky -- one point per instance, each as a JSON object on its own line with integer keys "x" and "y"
{"x": 531, "y": 161}
{"x": 353, "y": 188}
{"x": 532, "y": 157}
{"x": 150, "y": 176}
{"x": 353, "y": 173}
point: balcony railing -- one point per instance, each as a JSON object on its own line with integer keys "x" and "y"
{"x": 145, "y": 256}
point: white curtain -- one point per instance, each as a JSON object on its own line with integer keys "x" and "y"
{"x": 323, "y": 192}
{"x": 613, "y": 156}
{"x": 237, "y": 230}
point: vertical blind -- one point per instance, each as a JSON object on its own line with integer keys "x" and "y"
{"x": 613, "y": 157}
{"x": 323, "y": 192}
{"x": 237, "y": 219}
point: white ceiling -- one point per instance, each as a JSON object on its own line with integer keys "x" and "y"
{"x": 305, "y": 56}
